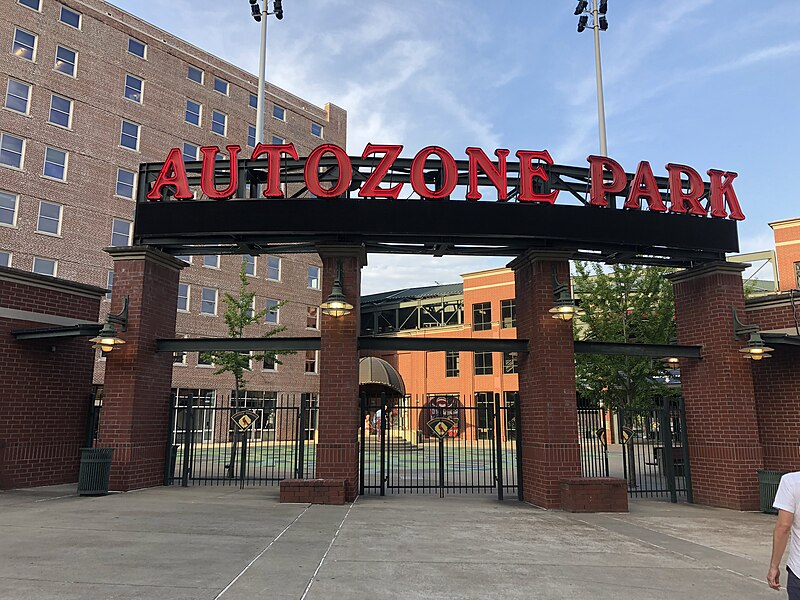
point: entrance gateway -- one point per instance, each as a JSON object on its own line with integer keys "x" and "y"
{"x": 344, "y": 207}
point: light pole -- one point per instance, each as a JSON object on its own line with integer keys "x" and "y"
{"x": 599, "y": 23}
{"x": 260, "y": 15}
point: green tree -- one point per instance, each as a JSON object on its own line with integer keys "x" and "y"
{"x": 239, "y": 313}
{"x": 629, "y": 304}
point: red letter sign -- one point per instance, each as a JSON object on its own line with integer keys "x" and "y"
{"x": 497, "y": 175}
{"x": 173, "y": 173}
{"x": 274, "y": 152}
{"x": 721, "y": 192}
{"x": 207, "y": 176}
{"x": 599, "y": 188}
{"x": 644, "y": 186}
{"x": 527, "y": 173}
{"x": 418, "y": 173}
{"x": 370, "y": 188}
{"x": 312, "y": 171}
{"x": 678, "y": 199}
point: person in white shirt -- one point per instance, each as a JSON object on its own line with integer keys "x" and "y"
{"x": 787, "y": 501}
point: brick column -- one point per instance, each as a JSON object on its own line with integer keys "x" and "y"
{"x": 339, "y": 413}
{"x": 136, "y": 399}
{"x": 721, "y": 418}
{"x": 547, "y": 395}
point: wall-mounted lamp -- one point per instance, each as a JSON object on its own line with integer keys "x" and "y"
{"x": 671, "y": 362}
{"x": 337, "y": 305}
{"x": 566, "y": 306}
{"x": 755, "y": 349}
{"x": 107, "y": 339}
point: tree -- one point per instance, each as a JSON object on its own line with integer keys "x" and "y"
{"x": 239, "y": 313}
{"x": 629, "y": 304}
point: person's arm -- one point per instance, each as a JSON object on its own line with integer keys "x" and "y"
{"x": 780, "y": 537}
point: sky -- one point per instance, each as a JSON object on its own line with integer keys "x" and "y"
{"x": 711, "y": 84}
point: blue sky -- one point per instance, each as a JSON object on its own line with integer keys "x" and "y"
{"x": 711, "y": 84}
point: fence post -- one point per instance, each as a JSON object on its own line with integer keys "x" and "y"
{"x": 382, "y": 424}
{"x": 363, "y": 449}
{"x": 687, "y": 471}
{"x": 301, "y": 439}
{"x": 169, "y": 463}
{"x": 666, "y": 449}
{"x": 518, "y": 444}
{"x": 498, "y": 433}
{"x": 243, "y": 465}
{"x": 188, "y": 434}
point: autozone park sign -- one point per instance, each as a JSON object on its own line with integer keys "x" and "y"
{"x": 433, "y": 173}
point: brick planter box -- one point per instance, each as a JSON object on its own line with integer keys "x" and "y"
{"x": 594, "y": 494}
{"x": 313, "y": 491}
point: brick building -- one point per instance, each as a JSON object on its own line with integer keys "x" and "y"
{"x": 89, "y": 93}
{"x": 787, "y": 253}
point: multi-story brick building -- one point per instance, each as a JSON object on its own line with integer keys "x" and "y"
{"x": 89, "y": 93}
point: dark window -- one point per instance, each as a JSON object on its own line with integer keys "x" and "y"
{"x": 70, "y": 17}
{"x": 483, "y": 363}
{"x": 311, "y": 361}
{"x": 484, "y": 407}
{"x": 508, "y": 313}
{"x": 195, "y": 75}
{"x": 797, "y": 274}
{"x": 136, "y": 47}
{"x": 509, "y": 363}
{"x": 253, "y": 101}
{"x": 451, "y": 364}
{"x": 482, "y": 316}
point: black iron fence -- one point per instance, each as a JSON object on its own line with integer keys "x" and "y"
{"x": 206, "y": 447}
{"x": 646, "y": 447}
{"x": 441, "y": 443}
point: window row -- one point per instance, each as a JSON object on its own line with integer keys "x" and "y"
{"x": 66, "y": 16}
{"x": 41, "y": 265}
{"x": 12, "y": 154}
{"x": 269, "y": 363}
{"x": 273, "y": 267}
{"x": 482, "y": 315}
{"x": 483, "y": 363}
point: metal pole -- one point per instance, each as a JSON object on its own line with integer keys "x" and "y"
{"x": 262, "y": 77}
{"x": 601, "y": 111}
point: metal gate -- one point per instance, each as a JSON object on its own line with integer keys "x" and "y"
{"x": 207, "y": 448}
{"x": 475, "y": 451}
{"x": 646, "y": 447}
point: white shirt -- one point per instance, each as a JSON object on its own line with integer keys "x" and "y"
{"x": 788, "y": 499}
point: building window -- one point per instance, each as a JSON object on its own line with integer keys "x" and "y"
{"x": 273, "y": 314}
{"x": 18, "y": 96}
{"x": 183, "y": 297}
{"x": 60, "y": 111}
{"x": 126, "y": 182}
{"x": 137, "y": 48}
{"x": 185, "y": 258}
{"x": 45, "y": 266}
{"x": 120, "y": 232}
{"x": 221, "y": 86}
{"x": 34, "y": 4}
{"x": 253, "y": 101}
{"x": 273, "y": 268}
{"x": 190, "y": 151}
{"x": 483, "y": 363}
{"x": 208, "y": 301}
{"x": 12, "y": 150}
{"x": 451, "y": 368}
{"x": 510, "y": 363}
{"x": 204, "y": 360}
{"x": 278, "y": 112}
{"x": 797, "y": 274}
{"x": 8, "y": 209}
{"x": 24, "y": 45}
{"x": 508, "y": 313}
{"x": 219, "y": 122}
{"x": 251, "y": 135}
{"x": 109, "y": 284}
{"x": 277, "y": 141}
{"x": 194, "y": 112}
{"x": 270, "y": 363}
{"x": 211, "y": 261}
{"x": 55, "y": 164}
{"x": 313, "y": 278}
{"x": 312, "y": 317}
{"x": 5, "y": 258}
{"x": 482, "y": 316}
{"x": 311, "y": 361}
{"x": 66, "y": 60}
{"x": 70, "y": 17}
{"x": 49, "y": 220}
{"x": 179, "y": 358}
{"x": 249, "y": 264}
{"x": 134, "y": 88}
{"x": 129, "y": 136}
{"x": 316, "y": 129}
{"x": 195, "y": 74}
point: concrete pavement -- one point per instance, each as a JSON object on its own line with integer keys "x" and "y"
{"x": 230, "y": 544}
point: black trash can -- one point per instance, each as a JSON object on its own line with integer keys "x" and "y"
{"x": 95, "y": 471}
{"x": 767, "y": 488}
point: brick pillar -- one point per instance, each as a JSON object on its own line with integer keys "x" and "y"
{"x": 721, "y": 418}
{"x": 339, "y": 412}
{"x": 547, "y": 396}
{"x": 136, "y": 399}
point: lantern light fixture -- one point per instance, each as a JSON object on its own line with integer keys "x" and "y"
{"x": 336, "y": 304}
{"x": 107, "y": 338}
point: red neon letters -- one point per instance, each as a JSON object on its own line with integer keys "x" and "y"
{"x": 438, "y": 181}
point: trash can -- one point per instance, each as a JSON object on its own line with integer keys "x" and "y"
{"x": 767, "y": 488}
{"x": 95, "y": 471}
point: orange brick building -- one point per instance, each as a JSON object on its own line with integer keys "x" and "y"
{"x": 787, "y": 252}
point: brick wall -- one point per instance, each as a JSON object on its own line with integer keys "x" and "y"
{"x": 46, "y": 383}
{"x": 787, "y": 252}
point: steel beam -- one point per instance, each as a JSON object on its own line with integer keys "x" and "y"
{"x": 651, "y": 350}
